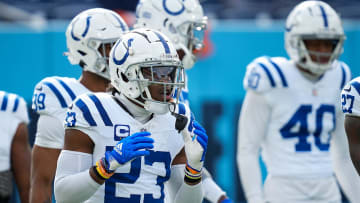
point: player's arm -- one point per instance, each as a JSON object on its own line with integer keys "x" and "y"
{"x": 180, "y": 189}
{"x": 20, "y": 161}
{"x": 343, "y": 167}
{"x": 188, "y": 187}
{"x": 251, "y": 132}
{"x": 74, "y": 181}
{"x": 350, "y": 101}
{"x": 352, "y": 127}
{"x": 212, "y": 191}
{"x": 77, "y": 179}
{"x": 45, "y": 154}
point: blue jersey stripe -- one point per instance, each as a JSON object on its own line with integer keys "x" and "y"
{"x": 57, "y": 94}
{"x": 101, "y": 110}
{"x": 272, "y": 82}
{"x": 343, "y": 77}
{"x": 4, "y": 102}
{"x": 356, "y": 85}
{"x": 67, "y": 88}
{"x": 323, "y": 13}
{"x": 185, "y": 95}
{"x": 283, "y": 80}
{"x": 16, "y": 104}
{"x": 86, "y": 112}
{"x": 181, "y": 109}
{"x": 165, "y": 44}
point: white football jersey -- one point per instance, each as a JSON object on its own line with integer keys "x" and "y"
{"x": 302, "y": 117}
{"x": 106, "y": 122}
{"x": 350, "y": 98}
{"x": 13, "y": 111}
{"x": 52, "y": 96}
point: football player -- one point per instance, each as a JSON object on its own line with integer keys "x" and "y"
{"x": 14, "y": 146}
{"x": 351, "y": 108}
{"x": 184, "y": 23}
{"x": 89, "y": 38}
{"x": 291, "y": 113}
{"x": 125, "y": 144}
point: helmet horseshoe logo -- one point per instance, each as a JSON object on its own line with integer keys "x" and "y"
{"x": 119, "y": 21}
{"x": 85, "y": 31}
{"x": 121, "y": 61}
{"x": 174, "y": 13}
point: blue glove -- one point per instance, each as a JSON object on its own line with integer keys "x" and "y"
{"x": 227, "y": 201}
{"x": 127, "y": 149}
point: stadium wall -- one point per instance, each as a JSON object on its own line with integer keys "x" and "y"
{"x": 215, "y": 84}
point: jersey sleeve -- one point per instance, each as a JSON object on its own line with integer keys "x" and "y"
{"x": 50, "y": 132}
{"x": 21, "y": 111}
{"x": 264, "y": 74}
{"x": 80, "y": 115}
{"x": 50, "y": 97}
{"x": 50, "y": 100}
{"x": 350, "y": 98}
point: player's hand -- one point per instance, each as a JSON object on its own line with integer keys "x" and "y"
{"x": 194, "y": 135}
{"x": 128, "y": 149}
{"x": 227, "y": 200}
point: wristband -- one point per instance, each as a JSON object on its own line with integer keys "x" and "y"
{"x": 100, "y": 169}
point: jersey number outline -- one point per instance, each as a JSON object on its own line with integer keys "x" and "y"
{"x": 134, "y": 174}
{"x": 300, "y": 116}
{"x": 345, "y": 97}
{"x": 39, "y": 101}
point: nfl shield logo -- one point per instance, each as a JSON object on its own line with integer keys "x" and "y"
{"x": 121, "y": 131}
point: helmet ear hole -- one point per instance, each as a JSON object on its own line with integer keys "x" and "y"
{"x": 124, "y": 78}
{"x": 82, "y": 64}
{"x": 81, "y": 52}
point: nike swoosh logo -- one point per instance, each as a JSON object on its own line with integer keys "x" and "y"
{"x": 39, "y": 88}
{"x": 348, "y": 89}
{"x": 102, "y": 29}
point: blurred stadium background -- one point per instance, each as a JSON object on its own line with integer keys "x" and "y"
{"x": 32, "y": 42}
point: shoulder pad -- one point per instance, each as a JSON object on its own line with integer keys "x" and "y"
{"x": 350, "y": 97}
{"x": 14, "y": 104}
{"x": 265, "y": 73}
{"x": 345, "y": 73}
{"x": 52, "y": 94}
{"x": 88, "y": 111}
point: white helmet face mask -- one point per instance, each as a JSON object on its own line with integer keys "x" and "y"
{"x": 145, "y": 67}
{"x": 309, "y": 21}
{"x": 182, "y": 21}
{"x": 90, "y": 36}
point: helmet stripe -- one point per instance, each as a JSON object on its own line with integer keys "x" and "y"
{"x": 4, "y": 102}
{"x": 324, "y": 16}
{"x": 163, "y": 41}
{"x": 121, "y": 24}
